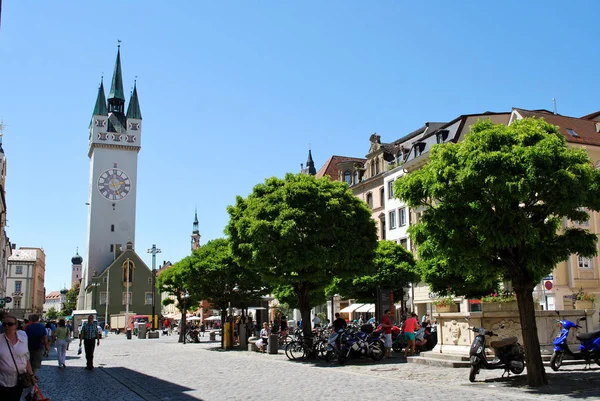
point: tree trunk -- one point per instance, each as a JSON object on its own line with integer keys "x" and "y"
{"x": 304, "y": 303}
{"x": 536, "y": 375}
{"x": 182, "y": 323}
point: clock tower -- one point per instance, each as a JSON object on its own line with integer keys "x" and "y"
{"x": 114, "y": 142}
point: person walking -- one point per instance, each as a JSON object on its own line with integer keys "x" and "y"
{"x": 90, "y": 337}
{"x": 316, "y": 322}
{"x": 386, "y": 324}
{"x": 14, "y": 359}
{"x": 37, "y": 342}
{"x": 62, "y": 336}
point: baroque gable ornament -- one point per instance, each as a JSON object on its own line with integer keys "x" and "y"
{"x": 134, "y": 126}
{"x": 100, "y": 123}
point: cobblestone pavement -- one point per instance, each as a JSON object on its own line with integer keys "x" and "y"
{"x": 162, "y": 369}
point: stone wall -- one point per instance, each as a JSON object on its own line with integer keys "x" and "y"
{"x": 454, "y": 336}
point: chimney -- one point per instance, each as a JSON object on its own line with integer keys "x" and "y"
{"x": 14, "y": 246}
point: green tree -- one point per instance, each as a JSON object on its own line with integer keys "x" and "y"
{"x": 495, "y": 203}
{"x": 301, "y": 232}
{"x": 218, "y": 278}
{"x": 51, "y": 314}
{"x": 394, "y": 269}
{"x": 175, "y": 281}
{"x": 70, "y": 303}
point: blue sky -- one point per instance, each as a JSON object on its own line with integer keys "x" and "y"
{"x": 235, "y": 92}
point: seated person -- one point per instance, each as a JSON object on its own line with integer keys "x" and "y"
{"x": 423, "y": 340}
{"x": 264, "y": 337}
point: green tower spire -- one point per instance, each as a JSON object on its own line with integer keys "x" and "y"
{"x": 133, "y": 110}
{"x": 100, "y": 107}
{"x": 116, "y": 87}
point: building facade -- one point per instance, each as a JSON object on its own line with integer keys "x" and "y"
{"x": 25, "y": 281}
{"x": 5, "y": 246}
{"x": 56, "y": 300}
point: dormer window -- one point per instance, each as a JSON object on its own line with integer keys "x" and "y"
{"x": 572, "y": 132}
{"x": 348, "y": 177}
{"x": 419, "y": 148}
{"x": 441, "y": 136}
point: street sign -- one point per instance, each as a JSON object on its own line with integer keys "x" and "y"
{"x": 548, "y": 285}
{"x": 8, "y": 300}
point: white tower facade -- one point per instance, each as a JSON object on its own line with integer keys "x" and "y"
{"x": 114, "y": 143}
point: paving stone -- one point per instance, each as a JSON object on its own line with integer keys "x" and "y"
{"x": 163, "y": 369}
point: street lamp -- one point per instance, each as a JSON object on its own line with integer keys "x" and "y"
{"x": 154, "y": 250}
{"x": 184, "y": 297}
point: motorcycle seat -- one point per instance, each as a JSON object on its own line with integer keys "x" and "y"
{"x": 504, "y": 342}
{"x": 588, "y": 336}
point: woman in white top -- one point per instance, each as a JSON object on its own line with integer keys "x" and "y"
{"x": 16, "y": 342}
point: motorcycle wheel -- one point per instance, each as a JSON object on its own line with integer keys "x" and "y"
{"x": 556, "y": 360}
{"x": 378, "y": 351}
{"x": 519, "y": 370}
{"x": 472, "y": 373}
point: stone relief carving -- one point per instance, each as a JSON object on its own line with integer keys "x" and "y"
{"x": 511, "y": 329}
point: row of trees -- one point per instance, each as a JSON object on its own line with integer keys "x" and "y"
{"x": 298, "y": 238}
{"x": 493, "y": 207}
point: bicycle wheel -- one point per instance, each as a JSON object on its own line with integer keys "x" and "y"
{"x": 321, "y": 348}
{"x": 295, "y": 350}
{"x": 284, "y": 341}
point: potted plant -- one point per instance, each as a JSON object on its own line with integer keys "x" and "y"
{"x": 445, "y": 305}
{"x": 499, "y": 302}
{"x": 584, "y": 300}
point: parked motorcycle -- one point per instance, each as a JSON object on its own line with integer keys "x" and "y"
{"x": 510, "y": 355}
{"x": 350, "y": 342}
{"x": 589, "y": 347}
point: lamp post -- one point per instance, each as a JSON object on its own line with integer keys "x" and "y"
{"x": 184, "y": 297}
{"x": 154, "y": 250}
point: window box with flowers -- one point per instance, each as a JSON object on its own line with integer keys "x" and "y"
{"x": 445, "y": 305}
{"x": 584, "y": 300}
{"x": 499, "y": 302}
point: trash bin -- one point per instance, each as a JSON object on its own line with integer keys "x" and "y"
{"x": 129, "y": 334}
{"x": 273, "y": 345}
{"x": 227, "y": 338}
{"x": 142, "y": 331}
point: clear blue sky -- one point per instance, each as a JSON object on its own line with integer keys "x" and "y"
{"x": 234, "y": 92}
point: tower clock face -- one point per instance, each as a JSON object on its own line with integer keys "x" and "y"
{"x": 114, "y": 184}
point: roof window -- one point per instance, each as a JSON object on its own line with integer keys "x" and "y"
{"x": 572, "y": 132}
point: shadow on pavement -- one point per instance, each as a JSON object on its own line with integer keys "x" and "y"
{"x": 575, "y": 383}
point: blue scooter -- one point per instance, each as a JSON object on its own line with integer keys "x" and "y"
{"x": 589, "y": 349}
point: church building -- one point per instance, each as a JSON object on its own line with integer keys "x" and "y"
{"x": 113, "y": 276}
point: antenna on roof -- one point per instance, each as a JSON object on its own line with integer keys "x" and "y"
{"x": 554, "y": 105}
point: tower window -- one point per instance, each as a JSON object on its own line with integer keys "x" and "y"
{"x": 112, "y": 248}
{"x": 112, "y": 228}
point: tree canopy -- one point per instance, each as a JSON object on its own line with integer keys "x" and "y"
{"x": 493, "y": 207}
{"x": 301, "y": 231}
{"x": 393, "y": 268}
{"x": 70, "y": 303}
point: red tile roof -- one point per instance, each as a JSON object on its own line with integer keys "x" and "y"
{"x": 584, "y": 127}
{"x": 330, "y": 166}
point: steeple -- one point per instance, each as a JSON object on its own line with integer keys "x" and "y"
{"x": 133, "y": 110}
{"x": 310, "y": 165}
{"x": 100, "y": 107}
{"x": 116, "y": 97}
{"x": 196, "y": 228}
{"x": 195, "y": 232}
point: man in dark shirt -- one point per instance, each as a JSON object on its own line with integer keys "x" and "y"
{"x": 37, "y": 342}
{"x": 339, "y": 323}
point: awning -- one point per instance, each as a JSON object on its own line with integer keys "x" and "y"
{"x": 213, "y": 318}
{"x": 366, "y": 308}
{"x": 351, "y": 308}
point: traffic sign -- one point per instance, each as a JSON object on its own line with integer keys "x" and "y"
{"x": 548, "y": 285}
{"x": 8, "y": 300}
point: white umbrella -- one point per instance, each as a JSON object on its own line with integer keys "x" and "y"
{"x": 213, "y": 318}
{"x": 194, "y": 318}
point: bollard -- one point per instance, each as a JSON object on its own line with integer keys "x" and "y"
{"x": 129, "y": 334}
{"x": 273, "y": 345}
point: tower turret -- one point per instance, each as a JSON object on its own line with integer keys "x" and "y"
{"x": 310, "y": 165}
{"x": 195, "y": 232}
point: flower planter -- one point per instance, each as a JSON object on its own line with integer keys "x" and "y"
{"x": 446, "y": 308}
{"x": 499, "y": 306}
{"x": 584, "y": 305}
